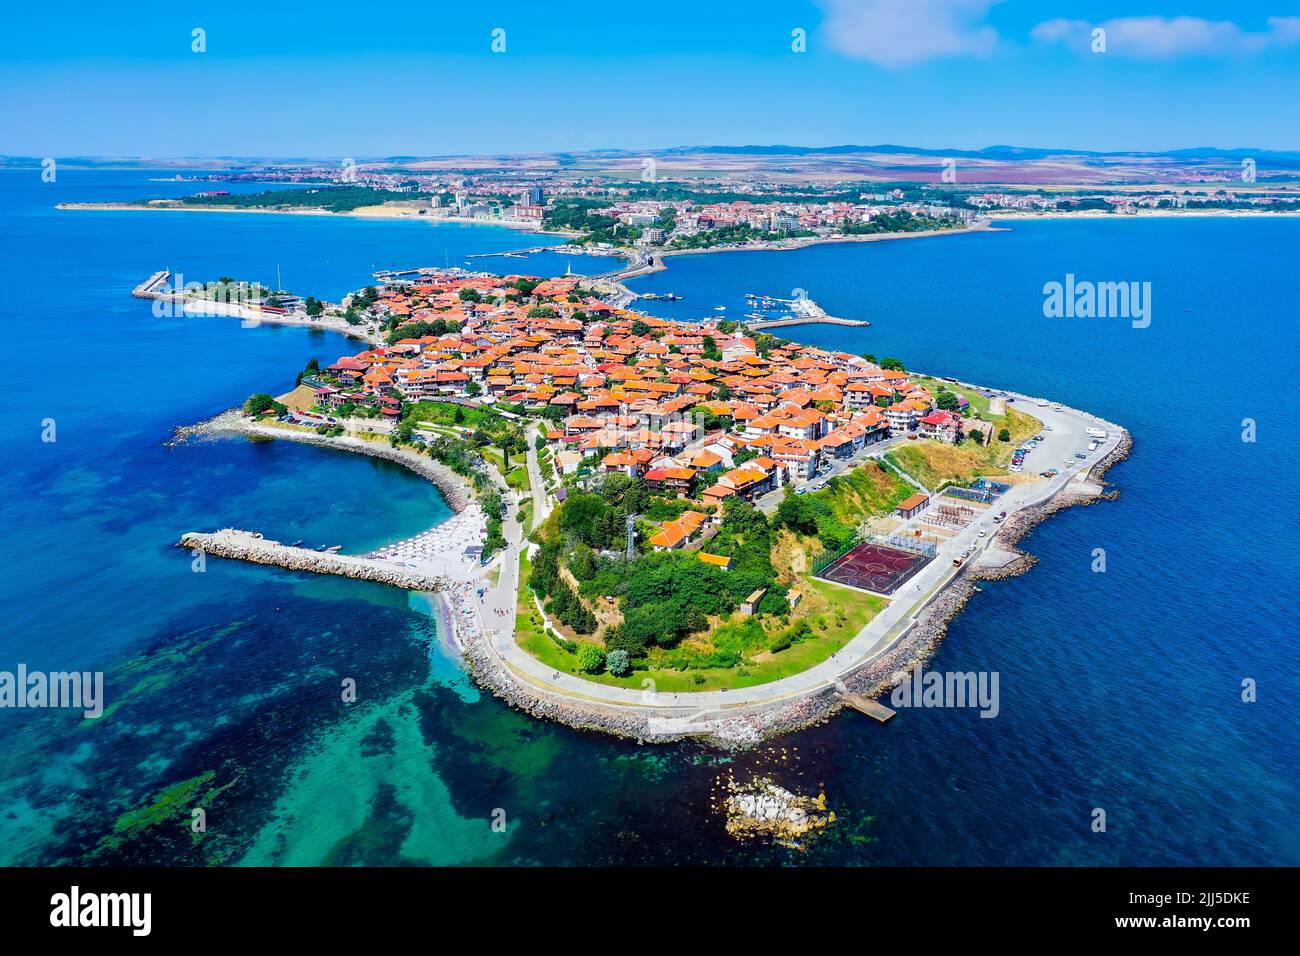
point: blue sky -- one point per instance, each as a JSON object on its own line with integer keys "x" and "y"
{"x": 356, "y": 79}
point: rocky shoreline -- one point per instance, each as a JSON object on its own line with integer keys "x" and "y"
{"x": 881, "y": 675}
{"x": 741, "y": 728}
{"x": 749, "y": 727}
{"x": 490, "y": 673}
{"x": 455, "y": 489}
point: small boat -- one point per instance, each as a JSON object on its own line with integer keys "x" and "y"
{"x": 719, "y": 308}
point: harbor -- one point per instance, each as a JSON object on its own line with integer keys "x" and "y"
{"x": 801, "y": 310}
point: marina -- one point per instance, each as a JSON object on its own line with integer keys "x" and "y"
{"x": 800, "y": 310}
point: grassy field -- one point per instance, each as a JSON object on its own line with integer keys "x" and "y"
{"x": 978, "y": 402}
{"x": 529, "y": 633}
{"x": 517, "y": 478}
{"x": 934, "y": 462}
{"x": 451, "y": 413}
{"x": 863, "y": 491}
{"x": 835, "y": 615}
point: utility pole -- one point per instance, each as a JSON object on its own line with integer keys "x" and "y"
{"x": 631, "y": 537}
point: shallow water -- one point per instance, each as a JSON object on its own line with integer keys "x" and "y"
{"x": 1119, "y": 690}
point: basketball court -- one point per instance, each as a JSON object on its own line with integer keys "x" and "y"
{"x": 875, "y": 567}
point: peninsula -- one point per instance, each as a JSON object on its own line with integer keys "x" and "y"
{"x": 678, "y": 529}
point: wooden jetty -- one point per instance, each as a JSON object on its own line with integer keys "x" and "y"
{"x": 865, "y": 705}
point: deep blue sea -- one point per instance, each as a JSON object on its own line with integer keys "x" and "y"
{"x": 1119, "y": 691}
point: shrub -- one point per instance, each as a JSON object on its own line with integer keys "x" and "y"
{"x": 590, "y": 659}
{"x": 618, "y": 663}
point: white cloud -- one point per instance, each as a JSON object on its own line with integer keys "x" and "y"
{"x": 1164, "y": 37}
{"x": 894, "y": 33}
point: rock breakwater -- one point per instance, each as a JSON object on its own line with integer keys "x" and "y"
{"x": 250, "y": 546}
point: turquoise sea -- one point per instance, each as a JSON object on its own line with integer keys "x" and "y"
{"x": 1119, "y": 690}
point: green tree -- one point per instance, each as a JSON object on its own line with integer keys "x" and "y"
{"x": 261, "y": 404}
{"x": 892, "y": 364}
{"x": 620, "y": 639}
{"x": 403, "y": 433}
{"x": 1004, "y": 435}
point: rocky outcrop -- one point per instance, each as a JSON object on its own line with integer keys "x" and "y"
{"x": 251, "y": 546}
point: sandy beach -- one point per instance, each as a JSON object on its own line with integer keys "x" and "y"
{"x": 361, "y": 212}
{"x": 442, "y": 549}
{"x": 1012, "y": 214}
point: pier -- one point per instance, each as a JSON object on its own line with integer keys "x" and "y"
{"x": 151, "y": 288}
{"x": 865, "y": 705}
{"x": 804, "y": 320}
{"x": 522, "y": 253}
{"x": 804, "y": 311}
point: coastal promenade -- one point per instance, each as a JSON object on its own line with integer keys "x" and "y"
{"x": 484, "y": 616}
{"x": 744, "y": 714}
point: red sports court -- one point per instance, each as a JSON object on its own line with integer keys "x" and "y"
{"x": 875, "y": 567}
